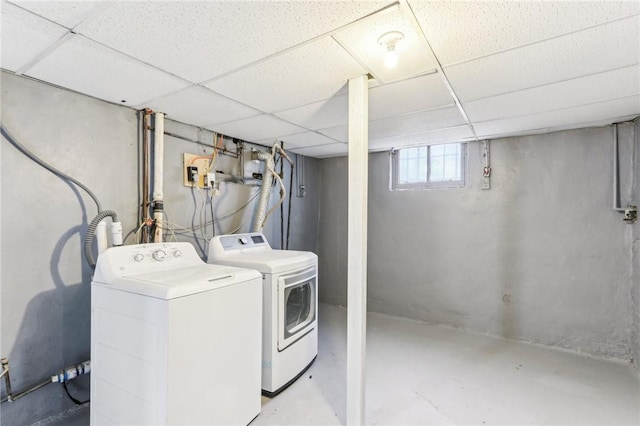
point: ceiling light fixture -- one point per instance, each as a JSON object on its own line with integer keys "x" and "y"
{"x": 389, "y": 40}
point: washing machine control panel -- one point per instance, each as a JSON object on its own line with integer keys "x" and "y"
{"x": 159, "y": 252}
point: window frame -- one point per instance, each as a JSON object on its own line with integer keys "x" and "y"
{"x": 394, "y": 166}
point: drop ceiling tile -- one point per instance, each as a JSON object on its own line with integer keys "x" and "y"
{"x": 324, "y": 151}
{"x": 66, "y": 13}
{"x": 202, "y": 40}
{"x": 587, "y": 52}
{"x": 257, "y": 128}
{"x": 568, "y": 118}
{"x": 595, "y": 123}
{"x": 201, "y": 107}
{"x": 299, "y": 76}
{"x": 584, "y": 90}
{"x": 413, "y": 53}
{"x": 459, "y": 31}
{"x": 25, "y": 36}
{"x": 327, "y": 113}
{"x": 416, "y": 122}
{"x": 82, "y": 65}
{"x": 453, "y": 134}
{"x": 416, "y": 94}
{"x": 301, "y": 140}
{"x": 339, "y": 133}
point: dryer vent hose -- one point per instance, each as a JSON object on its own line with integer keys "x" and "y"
{"x": 91, "y": 233}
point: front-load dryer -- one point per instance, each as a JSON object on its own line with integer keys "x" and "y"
{"x": 174, "y": 340}
{"x": 290, "y": 298}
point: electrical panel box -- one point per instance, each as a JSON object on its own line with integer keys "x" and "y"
{"x": 195, "y": 170}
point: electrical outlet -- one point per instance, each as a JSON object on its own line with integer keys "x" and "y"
{"x": 631, "y": 214}
{"x": 192, "y": 174}
{"x": 486, "y": 182}
{"x": 211, "y": 179}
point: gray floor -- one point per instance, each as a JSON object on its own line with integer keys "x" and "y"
{"x": 421, "y": 374}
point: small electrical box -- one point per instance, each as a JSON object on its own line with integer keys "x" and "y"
{"x": 631, "y": 214}
{"x": 195, "y": 170}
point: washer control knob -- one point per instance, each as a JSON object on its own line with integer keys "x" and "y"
{"x": 159, "y": 254}
{"x": 138, "y": 257}
{"x": 177, "y": 253}
{"x": 243, "y": 240}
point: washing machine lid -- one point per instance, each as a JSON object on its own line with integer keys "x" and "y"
{"x": 269, "y": 261}
{"x": 180, "y": 282}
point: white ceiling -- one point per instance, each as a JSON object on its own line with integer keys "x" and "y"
{"x": 260, "y": 70}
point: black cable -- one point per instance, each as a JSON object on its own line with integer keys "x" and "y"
{"x": 75, "y": 401}
{"x": 213, "y": 219}
{"x": 193, "y": 223}
{"x": 289, "y": 207}
{"x": 281, "y": 204}
{"x": 133, "y": 230}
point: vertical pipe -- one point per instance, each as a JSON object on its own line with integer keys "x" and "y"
{"x": 146, "y": 124}
{"x": 282, "y": 204}
{"x": 101, "y": 236}
{"x": 616, "y": 170}
{"x": 158, "y": 171}
{"x": 357, "y": 248}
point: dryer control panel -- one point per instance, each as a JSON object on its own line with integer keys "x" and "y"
{"x": 242, "y": 241}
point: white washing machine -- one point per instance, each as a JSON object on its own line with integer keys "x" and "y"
{"x": 174, "y": 341}
{"x": 290, "y": 297}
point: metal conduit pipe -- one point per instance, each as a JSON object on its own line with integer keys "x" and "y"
{"x": 63, "y": 376}
{"x": 616, "y": 171}
{"x": 144, "y": 212}
{"x": 631, "y": 211}
{"x": 7, "y": 379}
{"x": 13, "y": 398}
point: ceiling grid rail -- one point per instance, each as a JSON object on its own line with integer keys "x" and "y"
{"x": 445, "y": 80}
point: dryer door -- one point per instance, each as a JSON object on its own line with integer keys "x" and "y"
{"x": 297, "y": 294}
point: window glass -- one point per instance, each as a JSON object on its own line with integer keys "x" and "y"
{"x": 430, "y": 166}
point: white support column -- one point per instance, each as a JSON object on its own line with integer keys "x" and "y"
{"x": 357, "y": 248}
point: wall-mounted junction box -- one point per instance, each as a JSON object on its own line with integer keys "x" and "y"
{"x": 195, "y": 169}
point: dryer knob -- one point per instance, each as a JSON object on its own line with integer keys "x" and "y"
{"x": 139, "y": 257}
{"x": 177, "y": 253}
{"x": 159, "y": 255}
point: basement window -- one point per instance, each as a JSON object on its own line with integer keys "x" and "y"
{"x": 428, "y": 167}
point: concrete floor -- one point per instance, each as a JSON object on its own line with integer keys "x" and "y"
{"x": 421, "y": 374}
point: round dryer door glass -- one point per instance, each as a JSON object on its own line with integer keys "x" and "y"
{"x": 297, "y": 305}
{"x": 298, "y": 309}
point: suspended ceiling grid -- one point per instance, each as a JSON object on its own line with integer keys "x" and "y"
{"x": 264, "y": 70}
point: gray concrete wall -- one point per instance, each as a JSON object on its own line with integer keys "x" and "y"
{"x": 540, "y": 257}
{"x": 45, "y": 280}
